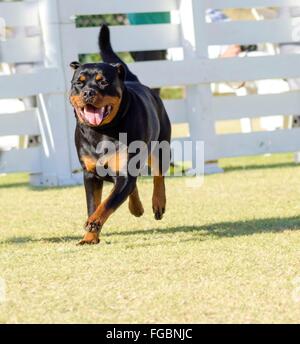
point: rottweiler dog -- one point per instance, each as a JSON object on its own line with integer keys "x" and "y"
{"x": 109, "y": 101}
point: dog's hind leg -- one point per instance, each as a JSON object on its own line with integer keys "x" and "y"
{"x": 135, "y": 205}
{"x": 159, "y": 199}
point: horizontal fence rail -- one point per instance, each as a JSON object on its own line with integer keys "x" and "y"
{"x": 222, "y": 4}
{"x": 146, "y": 37}
{"x": 19, "y": 13}
{"x": 21, "y": 160}
{"x": 21, "y": 50}
{"x": 251, "y": 32}
{"x": 257, "y": 143}
{"x": 233, "y": 107}
{"x": 19, "y": 123}
{"x": 44, "y": 80}
{"x": 75, "y": 7}
{"x": 166, "y": 73}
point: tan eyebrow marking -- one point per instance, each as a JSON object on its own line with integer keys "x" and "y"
{"x": 82, "y": 78}
{"x": 99, "y": 77}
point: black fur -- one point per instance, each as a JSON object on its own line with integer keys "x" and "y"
{"x": 141, "y": 116}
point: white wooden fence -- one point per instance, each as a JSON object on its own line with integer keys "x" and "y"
{"x": 60, "y": 42}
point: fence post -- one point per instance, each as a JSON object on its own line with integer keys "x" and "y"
{"x": 69, "y": 53}
{"x": 53, "y": 121}
{"x": 199, "y": 97}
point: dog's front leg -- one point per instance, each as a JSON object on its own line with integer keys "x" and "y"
{"x": 123, "y": 187}
{"x": 93, "y": 190}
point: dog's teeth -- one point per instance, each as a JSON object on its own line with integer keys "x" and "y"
{"x": 109, "y": 109}
{"x": 102, "y": 111}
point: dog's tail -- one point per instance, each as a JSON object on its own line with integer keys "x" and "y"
{"x": 108, "y": 55}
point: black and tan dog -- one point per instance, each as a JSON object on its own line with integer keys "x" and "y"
{"x": 108, "y": 100}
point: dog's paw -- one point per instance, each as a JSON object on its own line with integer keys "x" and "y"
{"x": 159, "y": 208}
{"x": 90, "y": 238}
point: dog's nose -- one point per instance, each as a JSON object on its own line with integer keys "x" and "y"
{"x": 88, "y": 94}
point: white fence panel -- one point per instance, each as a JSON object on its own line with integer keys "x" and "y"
{"x": 21, "y": 50}
{"x": 278, "y": 30}
{"x": 43, "y": 80}
{"x": 251, "y": 32}
{"x": 36, "y": 73}
{"x": 21, "y": 160}
{"x": 197, "y": 71}
{"x": 278, "y": 141}
{"x": 61, "y": 42}
{"x": 177, "y": 110}
{"x": 233, "y": 107}
{"x": 20, "y": 13}
{"x": 20, "y": 123}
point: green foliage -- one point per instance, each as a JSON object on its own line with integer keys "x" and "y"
{"x": 97, "y": 20}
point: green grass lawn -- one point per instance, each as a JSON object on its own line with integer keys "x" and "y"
{"x": 226, "y": 252}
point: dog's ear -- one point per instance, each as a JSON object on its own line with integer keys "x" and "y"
{"x": 75, "y": 65}
{"x": 121, "y": 70}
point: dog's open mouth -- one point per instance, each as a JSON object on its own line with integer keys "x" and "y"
{"x": 94, "y": 115}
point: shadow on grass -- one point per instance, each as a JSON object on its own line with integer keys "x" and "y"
{"x": 29, "y": 239}
{"x": 36, "y": 188}
{"x": 13, "y": 185}
{"x": 215, "y": 230}
{"x": 225, "y": 229}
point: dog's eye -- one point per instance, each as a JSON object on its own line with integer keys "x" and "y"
{"x": 102, "y": 83}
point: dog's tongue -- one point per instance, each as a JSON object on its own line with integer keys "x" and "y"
{"x": 93, "y": 115}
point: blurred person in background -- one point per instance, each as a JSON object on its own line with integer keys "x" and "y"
{"x": 214, "y": 16}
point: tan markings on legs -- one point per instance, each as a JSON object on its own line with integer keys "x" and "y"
{"x": 159, "y": 191}
{"x": 96, "y": 221}
{"x": 89, "y": 163}
{"x": 97, "y": 195}
{"x": 90, "y": 238}
{"x": 135, "y": 205}
{"x": 159, "y": 197}
{"x": 101, "y": 214}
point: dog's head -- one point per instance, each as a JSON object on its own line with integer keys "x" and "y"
{"x": 96, "y": 92}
